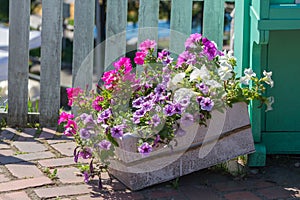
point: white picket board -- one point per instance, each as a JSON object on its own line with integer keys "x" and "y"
{"x": 116, "y": 22}
{"x": 51, "y": 61}
{"x": 19, "y": 12}
{"x": 83, "y": 44}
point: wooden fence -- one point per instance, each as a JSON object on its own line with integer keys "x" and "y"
{"x": 181, "y": 19}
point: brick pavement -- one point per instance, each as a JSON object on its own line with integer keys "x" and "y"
{"x": 25, "y": 155}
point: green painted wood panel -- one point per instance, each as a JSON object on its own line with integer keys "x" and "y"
{"x": 213, "y": 21}
{"x": 279, "y": 24}
{"x": 290, "y": 11}
{"x": 83, "y": 43}
{"x": 181, "y": 24}
{"x": 148, "y": 20}
{"x": 51, "y": 61}
{"x": 282, "y": 1}
{"x": 116, "y": 22}
{"x": 282, "y": 142}
{"x": 19, "y": 11}
{"x": 283, "y": 60}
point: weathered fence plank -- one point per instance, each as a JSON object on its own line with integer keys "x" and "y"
{"x": 19, "y": 12}
{"x": 83, "y": 44}
{"x": 51, "y": 61}
{"x": 116, "y": 22}
{"x": 213, "y": 21}
{"x": 181, "y": 24}
{"x": 148, "y": 20}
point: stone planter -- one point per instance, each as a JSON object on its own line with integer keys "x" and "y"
{"x": 193, "y": 152}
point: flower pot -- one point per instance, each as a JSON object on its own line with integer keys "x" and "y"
{"x": 227, "y": 136}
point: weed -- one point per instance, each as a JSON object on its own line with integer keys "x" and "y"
{"x": 51, "y": 175}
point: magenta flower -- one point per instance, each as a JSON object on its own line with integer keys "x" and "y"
{"x": 96, "y": 103}
{"x": 147, "y": 44}
{"x": 71, "y": 128}
{"x": 109, "y": 77}
{"x": 123, "y": 64}
{"x": 72, "y": 94}
{"x": 192, "y": 41}
{"x": 203, "y": 88}
{"x": 210, "y": 49}
{"x": 145, "y": 149}
{"x": 104, "y": 144}
{"x": 139, "y": 58}
{"x": 186, "y": 57}
{"x": 64, "y": 117}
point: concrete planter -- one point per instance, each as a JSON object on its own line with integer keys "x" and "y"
{"x": 192, "y": 152}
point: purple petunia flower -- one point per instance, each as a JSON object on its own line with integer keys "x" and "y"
{"x": 147, "y": 106}
{"x": 84, "y": 133}
{"x": 139, "y": 113}
{"x": 210, "y": 49}
{"x": 117, "y": 131}
{"x": 160, "y": 88}
{"x": 86, "y": 153}
{"x": 199, "y": 99}
{"x": 206, "y": 104}
{"x": 104, "y": 144}
{"x": 169, "y": 110}
{"x": 178, "y": 108}
{"x": 157, "y": 140}
{"x": 137, "y": 103}
{"x": 186, "y": 120}
{"x": 164, "y": 57}
{"x": 145, "y": 149}
{"x": 155, "y": 120}
{"x": 104, "y": 115}
{"x": 185, "y": 102}
{"x": 136, "y": 120}
{"x": 203, "y": 88}
{"x": 86, "y": 176}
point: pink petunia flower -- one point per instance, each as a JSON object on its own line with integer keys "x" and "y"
{"x": 72, "y": 94}
{"x": 64, "y": 117}
{"x": 147, "y": 44}
{"x": 140, "y": 57}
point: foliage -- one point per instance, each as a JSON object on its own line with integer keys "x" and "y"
{"x": 161, "y": 104}
{"x": 52, "y": 175}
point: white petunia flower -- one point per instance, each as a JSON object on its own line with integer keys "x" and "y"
{"x": 267, "y": 79}
{"x": 269, "y": 102}
{"x": 213, "y": 84}
{"x": 248, "y": 75}
{"x": 227, "y": 55}
{"x": 225, "y": 71}
{"x": 178, "y": 78}
{"x": 202, "y": 73}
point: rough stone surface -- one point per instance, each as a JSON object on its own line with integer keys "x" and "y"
{"x": 4, "y": 145}
{"x": 69, "y": 175}
{"x": 3, "y": 178}
{"x": 167, "y": 167}
{"x": 29, "y": 146}
{"x": 65, "y": 149}
{"x": 24, "y": 183}
{"x": 24, "y": 170}
{"x": 15, "y": 196}
{"x": 57, "y": 162}
{"x": 61, "y": 191}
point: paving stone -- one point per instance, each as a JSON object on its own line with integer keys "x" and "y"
{"x": 15, "y": 196}
{"x": 46, "y": 135}
{"x": 24, "y": 170}
{"x": 193, "y": 193}
{"x": 26, "y": 157}
{"x": 3, "y": 178}
{"x": 6, "y": 152}
{"x": 60, "y": 140}
{"x": 66, "y": 149}
{"x": 24, "y": 183}
{"x": 115, "y": 195}
{"x": 6, "y": 135}
{"x": 276, "y": 193}
{"x": 62, "y": 191}
{"x": 68, "y": 175}
{"x": 57, "y": 162}
{"x": 240, "y": 185}
{"x": 4, "y": 146}
{"x": 241, "y": 196}
{"x": 30, "y": 146}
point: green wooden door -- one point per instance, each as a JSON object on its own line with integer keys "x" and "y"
{"x": 284, "y": 61}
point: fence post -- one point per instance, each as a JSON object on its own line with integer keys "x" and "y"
{"x": 213, "y": 21}
{"x": 116, "y": 22}
{"x": 19, "y": 13}
{"x": 84, "y": 21}
{"x": 181, "y": 24}
{"x": 51, "y": 61}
